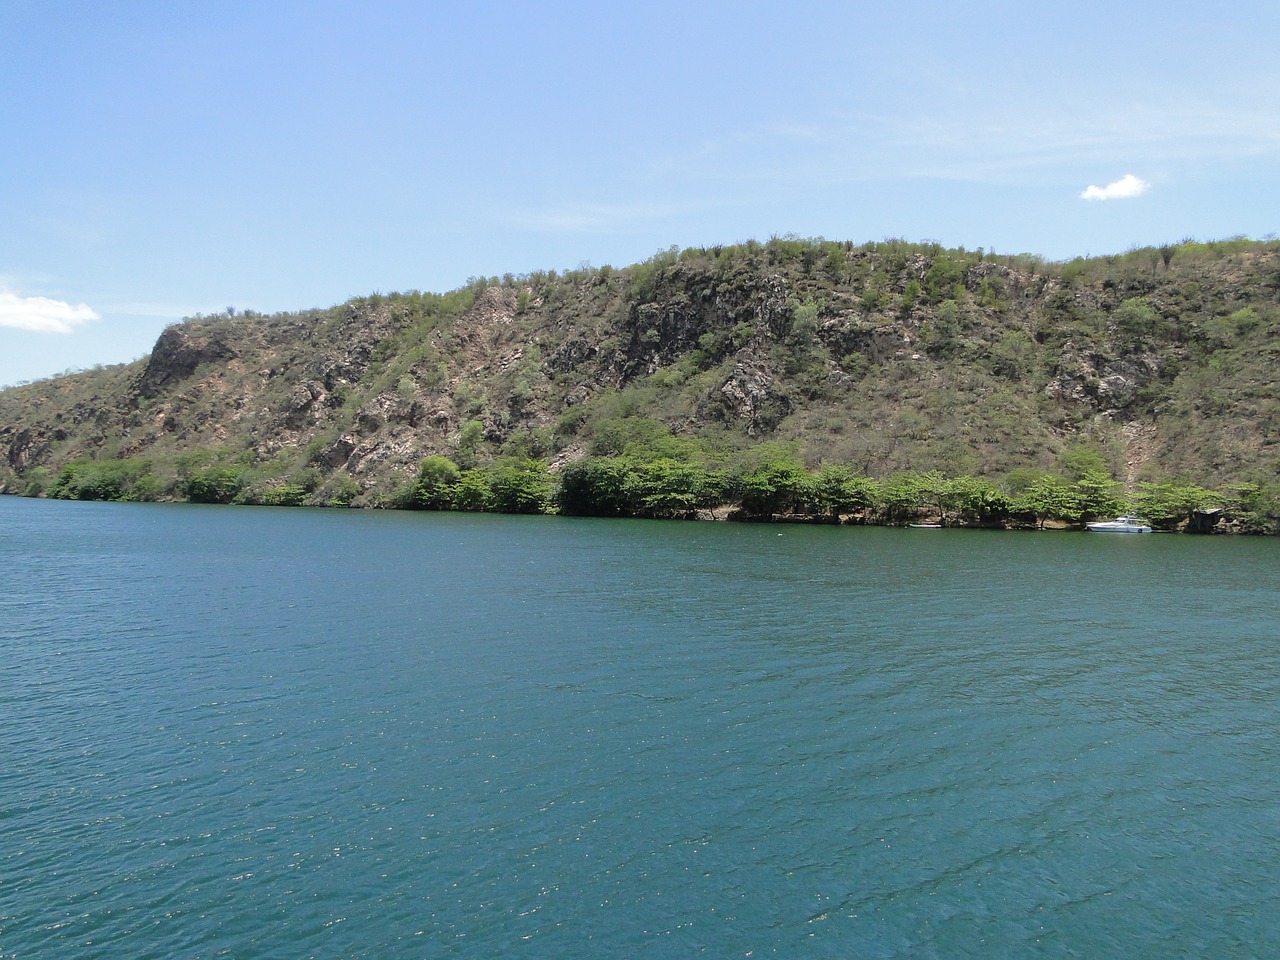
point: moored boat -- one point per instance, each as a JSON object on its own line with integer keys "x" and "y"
{"x": 1124, "y": 524}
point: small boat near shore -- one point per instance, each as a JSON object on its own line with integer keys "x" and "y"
{"x": 924, "y": 526}
{"x": 1120, "y": 525}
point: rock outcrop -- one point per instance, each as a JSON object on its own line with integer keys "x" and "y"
{"x": 178, "y": 353}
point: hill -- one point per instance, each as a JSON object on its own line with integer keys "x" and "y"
{"x": 1153, "y": 370}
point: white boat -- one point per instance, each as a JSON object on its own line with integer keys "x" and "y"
{"x": 1120, "y": 525}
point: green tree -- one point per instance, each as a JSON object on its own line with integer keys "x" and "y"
{"x": 775, "y": 488}
{"x": 933, "y": 490}
{"x": 282, "y": 495}
{"x": 37, "y": 482}
{"x": 595, "y": 487}
{"x": 437, "y": 476}
{"x": 1049, "y": 497}
{"x": 215, "y": 484}
{"x": 1256, "y": 506}
{"x": 1018, "y": 480}
{"x": 671, "y": 488}
{"x": 975, "y": 499}
{"x": 902, "y": 496}
{"x": 473, "y": 492}
{"x": 520, "y": 486}
{"x": 1098, "y": 495}
{"x": 469, "y": 439}
{"x": 1172, "y": 502}
{"x": 128, "y": 479}
{"x": 838, "y": 490}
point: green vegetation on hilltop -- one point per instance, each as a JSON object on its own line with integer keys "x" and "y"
{"x": 807, "y": 378}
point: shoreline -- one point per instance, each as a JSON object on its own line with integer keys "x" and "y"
{"x": 723, "y": 513}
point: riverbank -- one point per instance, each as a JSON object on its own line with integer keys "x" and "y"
{"x": 1215, "y": 522}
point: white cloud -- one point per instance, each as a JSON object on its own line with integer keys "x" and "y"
{"x": 42, "y": 314}
{"x": 1126, "y": 186}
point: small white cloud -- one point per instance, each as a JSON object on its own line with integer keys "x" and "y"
{"x": 1126, "y": 186}
{"x": 42, "y": 314}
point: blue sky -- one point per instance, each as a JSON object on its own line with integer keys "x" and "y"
{"x": 168, "y": 158}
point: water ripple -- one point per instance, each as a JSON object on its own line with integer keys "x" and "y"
{"x": 281, "y": 733}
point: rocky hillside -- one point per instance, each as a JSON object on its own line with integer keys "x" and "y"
{"x": 1157, "y": 364}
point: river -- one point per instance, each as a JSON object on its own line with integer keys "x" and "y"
{"x": 262, "y": 732}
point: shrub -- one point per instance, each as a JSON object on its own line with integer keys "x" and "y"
{"x": 437, "y": 476}
{"x": 520, "y": 486}
{"x": 215, "y": 484}
{"x": 106, "y": 480}
{"x": 282, "y": 495}
{"x": 473, "y": 492}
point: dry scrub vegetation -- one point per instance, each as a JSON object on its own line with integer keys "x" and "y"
{"x": 796, "y": 377}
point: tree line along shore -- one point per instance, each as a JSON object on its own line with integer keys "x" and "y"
{"x": 769, "y": 485}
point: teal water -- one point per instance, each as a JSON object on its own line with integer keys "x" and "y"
{"x": 253, "y": 732}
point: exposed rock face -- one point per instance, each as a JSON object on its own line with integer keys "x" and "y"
{"x": 749, "y": 395}
{"x": 305, "y": 404}
{"x": 24, "y": 446}
{"x": 846, "y": 335}
{"x": 338, "y": 453}
{"x": 570, "y": 355}
{"x": 1122, "y": 379}
{"x": 385, "y": 410}
{"x": 1108, "y": 384}
{"x": 664, "y": 329}
{"x": 177, "y": 354}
